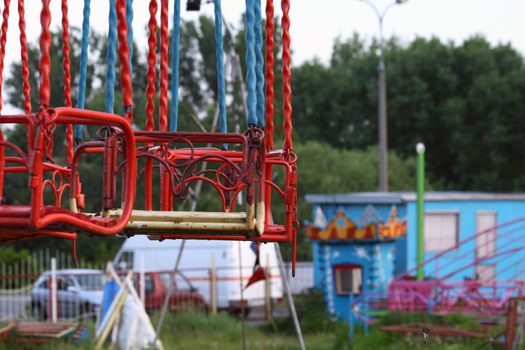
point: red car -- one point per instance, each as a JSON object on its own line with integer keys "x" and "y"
{"x": 183, "y": 295}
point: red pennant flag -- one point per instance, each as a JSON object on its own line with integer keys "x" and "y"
{"x": 259, "y": 274}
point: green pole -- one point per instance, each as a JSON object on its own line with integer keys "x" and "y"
{"x": 420, "y": 253}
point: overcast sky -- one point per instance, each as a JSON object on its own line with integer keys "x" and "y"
{"x": 316, "y": 23}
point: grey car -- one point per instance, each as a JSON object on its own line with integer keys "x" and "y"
{"x": 79, "y": 292}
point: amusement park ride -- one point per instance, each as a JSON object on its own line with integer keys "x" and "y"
{"x": 240, "y": 164}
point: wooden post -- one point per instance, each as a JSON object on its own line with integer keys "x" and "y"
{"x": 268, "y": 291}
{"x": 213, "y": 286}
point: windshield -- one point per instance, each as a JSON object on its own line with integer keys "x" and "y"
{"x": 91, "y": 281}
{"x": 166, "y": 279}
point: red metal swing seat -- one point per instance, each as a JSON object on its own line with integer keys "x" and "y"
{"x": 184, "y": 159}
{"x": 39, "y": 218}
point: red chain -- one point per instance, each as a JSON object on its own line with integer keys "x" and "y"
{"x": 123, "y": 55}
{"x": 66, "y": 51}
{"x": 67, "y": 78}
{"x": 270, "y": 61}
{"x": 287, "y": 76}
{"x": 150, "y": 92}
{"x": 26, "y": 87}
{"x": 152, "y": 59}
{"x": 163, "y": 107}
{"x": 45, "y": 61}
{"x": 24, "y": 58}
{"x": 3, "y": 38}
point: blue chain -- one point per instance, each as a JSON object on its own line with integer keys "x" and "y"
{"x": 219, "y": 50}
{"x": 83, "y": 65}
{"x": 129, "y": 22}
{"x": 175, "y": 58}
{"x": 251, "y": 99}
{"x": 111, "y": 58}
{"x": 259, "y": 64}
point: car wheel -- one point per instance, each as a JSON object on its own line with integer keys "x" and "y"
{"x": 39, "y": 312}
{"x": 88, "y": 311}
{"x": 238, "y": 311}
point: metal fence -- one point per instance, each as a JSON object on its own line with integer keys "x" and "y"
{"x": 26, "y": 287}
{"x": 30, "y": 290}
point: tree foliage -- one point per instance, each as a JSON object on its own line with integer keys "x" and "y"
{"x": 464, "y": 101}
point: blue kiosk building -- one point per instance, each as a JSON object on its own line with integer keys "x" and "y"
{"x": 361, "y": 241}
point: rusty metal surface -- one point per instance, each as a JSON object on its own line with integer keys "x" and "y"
{"x": 436, "y": 330}
{"x": 515, "y": 323}
{"x": 44, "y": 329}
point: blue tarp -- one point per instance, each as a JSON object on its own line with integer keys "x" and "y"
{"x": 111, "y": 289}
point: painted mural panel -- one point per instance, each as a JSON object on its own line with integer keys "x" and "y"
{"x": 355, "y": 251}
{"x": 371, "y": 226}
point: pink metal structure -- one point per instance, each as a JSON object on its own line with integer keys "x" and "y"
{"x": 454, "y": 279}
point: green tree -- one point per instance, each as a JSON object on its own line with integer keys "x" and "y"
{"x": 464, "y": 101}
{"x": 324, "y": 169}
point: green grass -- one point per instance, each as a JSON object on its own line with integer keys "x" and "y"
{"x": 193, "y": 331}
{"x": 197, "y": 331}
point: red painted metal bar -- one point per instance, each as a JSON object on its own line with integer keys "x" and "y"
{"x": 3, "y": 38}
{"x": 21, "y": 234}
{"x": 215, "y": 156}
{"x": 18, "y": 119}
{"x": 45, "y": 61}
{"x": 90, "y": 147}
{"x": 14, "y": 160}
{"x": 100, "y": 226}
{"x": 66, "y": 63}
{"x": 290, "y": 200}
{"x": 270, "y": 78}
{"x": 166, "y": 199}
{"x": 287, "y": 75}
{"x": 150, "y": 92}
{"x": 109, "y": 179}
{"x": 37, "y": 172}
{"x": 123, "y": 54}
{"x": 165, "y": 192}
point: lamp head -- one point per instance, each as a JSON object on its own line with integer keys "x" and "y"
{"x": 193, "y": 5}
{"x": 401, "y": 1}
{"x": 420, "y": 148}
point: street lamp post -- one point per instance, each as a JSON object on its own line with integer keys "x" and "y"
{"x": 381, "y": 84}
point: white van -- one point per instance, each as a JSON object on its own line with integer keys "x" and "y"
{"x": 139, "y": 253}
